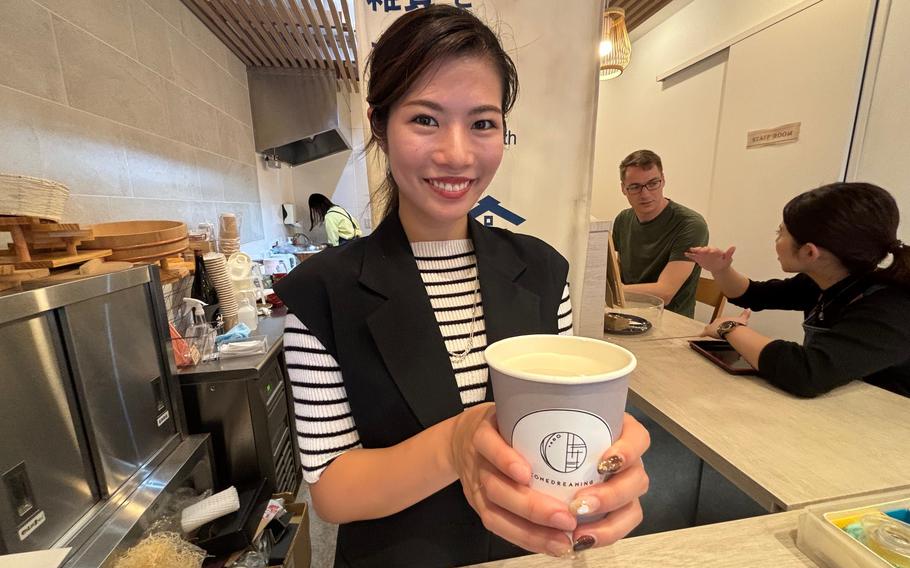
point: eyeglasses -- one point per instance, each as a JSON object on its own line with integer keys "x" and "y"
{"x": 650, "y": 185}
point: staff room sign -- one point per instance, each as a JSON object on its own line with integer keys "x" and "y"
{"x": 779, "y": 135}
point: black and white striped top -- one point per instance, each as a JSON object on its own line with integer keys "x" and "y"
{"x": 325, "y": 427}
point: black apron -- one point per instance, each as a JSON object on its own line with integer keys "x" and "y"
{"x": 816, "y": 324}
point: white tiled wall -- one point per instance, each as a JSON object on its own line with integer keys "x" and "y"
{"x": 133, "y": 104}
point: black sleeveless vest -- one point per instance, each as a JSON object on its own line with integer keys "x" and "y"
{"x": 368, "y": 306}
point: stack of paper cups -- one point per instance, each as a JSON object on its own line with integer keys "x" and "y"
{"x": 227, "y": 298}
{"x": 207, "y": 510}
{"x": 229, "y": 233}
{"x": 228, "y": 246}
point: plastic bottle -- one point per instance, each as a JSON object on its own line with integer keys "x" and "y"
{"x": 199, "y": 335}
{"x": 246, "y": 312}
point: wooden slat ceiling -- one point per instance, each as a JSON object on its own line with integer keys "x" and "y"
{"x": 317, "y": 34}
{"x": 304, "y": 34}
{"x": 637, "y": 11}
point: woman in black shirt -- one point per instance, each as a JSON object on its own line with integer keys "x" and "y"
{"x": 856, "y": 312}
{"x": 408, "y": 459}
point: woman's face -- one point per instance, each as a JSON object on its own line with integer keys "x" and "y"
{"x": 444, "y": 144}
{"x": 787, "y": 250}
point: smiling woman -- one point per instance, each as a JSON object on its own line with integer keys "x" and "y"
{"x": 385, "y": 344}
{"x": 452, "y": 118}
{"x": 444, "y": 142}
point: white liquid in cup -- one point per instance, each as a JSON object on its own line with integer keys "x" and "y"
{"x": 555, "y": 365}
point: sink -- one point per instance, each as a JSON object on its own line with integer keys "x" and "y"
{"x": 297, "y": 249}
{"x": 303, "y": 252}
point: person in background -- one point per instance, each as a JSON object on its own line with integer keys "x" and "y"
{"x": 340, "y": 226}
{"x": 653, "y": 235}
{"x": 856, "y": 312}
{"x": 385, "y": 340}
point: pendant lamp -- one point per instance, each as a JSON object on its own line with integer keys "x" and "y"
{"x": 615, "y": 48}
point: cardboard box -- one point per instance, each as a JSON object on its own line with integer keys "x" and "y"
{"x": 821, "y": 537}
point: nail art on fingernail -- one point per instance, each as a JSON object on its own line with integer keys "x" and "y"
{"x": 584, "y": 505}
{"x": 610, "y": 465}
{"x": 583, "y": 542}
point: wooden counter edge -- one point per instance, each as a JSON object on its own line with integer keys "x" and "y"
{"x": 764, "y": 541}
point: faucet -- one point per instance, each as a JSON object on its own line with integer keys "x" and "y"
{"x": 296, "y": 239}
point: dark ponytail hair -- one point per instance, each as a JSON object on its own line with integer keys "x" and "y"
{"x": 319, "y": 205}
{"x": 412, "y": 44}
{"x": 857, "y": 223}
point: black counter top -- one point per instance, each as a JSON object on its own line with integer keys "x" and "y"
{"x": 271, "y": 327}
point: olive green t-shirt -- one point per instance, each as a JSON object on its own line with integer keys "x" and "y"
{"x": 646, "y": 248}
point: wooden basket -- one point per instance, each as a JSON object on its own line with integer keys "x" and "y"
{"x": 32, "y": 197}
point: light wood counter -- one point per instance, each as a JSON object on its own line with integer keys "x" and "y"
{"x": 784, "y": 452}
{"x": 766, "y": 541}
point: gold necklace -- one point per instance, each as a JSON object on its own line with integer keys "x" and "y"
{"x": 460, "y": 356}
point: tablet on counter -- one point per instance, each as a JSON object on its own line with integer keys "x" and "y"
{"x": 723, "y": 355}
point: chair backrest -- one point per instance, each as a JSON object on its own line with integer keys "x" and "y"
{"x": 708, "y": 292}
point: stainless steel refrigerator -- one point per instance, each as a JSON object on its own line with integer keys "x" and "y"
{"x": 90, "y": 415}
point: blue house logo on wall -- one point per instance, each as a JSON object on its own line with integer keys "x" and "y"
{"x": 488, "y": 207}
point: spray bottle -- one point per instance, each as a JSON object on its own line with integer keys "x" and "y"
{"x": 200, "y": 333}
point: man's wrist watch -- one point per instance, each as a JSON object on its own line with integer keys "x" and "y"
{"x": 726, "y": 327}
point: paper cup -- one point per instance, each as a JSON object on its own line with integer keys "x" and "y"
{"x": 227, "y": 298}
{"x": 560, "y": 402}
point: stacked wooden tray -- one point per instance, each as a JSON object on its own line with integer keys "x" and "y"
{"x": 52, "y": 236}
{"x": 38, "y": 243}
{"x": 11, "y": 277}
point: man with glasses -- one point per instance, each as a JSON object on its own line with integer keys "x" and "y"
{"x": 653, "y": 235}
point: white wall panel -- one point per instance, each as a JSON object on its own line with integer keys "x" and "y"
{"x": 676, "y": 118}
{"x": 808, "y": 69}
{"x": 883, "y": 154}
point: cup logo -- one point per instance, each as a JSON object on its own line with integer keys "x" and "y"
{"x": 562, "y": 446}
{"x": 563, "y": 451}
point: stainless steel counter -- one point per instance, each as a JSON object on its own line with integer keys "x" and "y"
{"x": 189, "y": 465}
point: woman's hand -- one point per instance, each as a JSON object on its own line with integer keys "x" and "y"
{"x": 495, "y": 481}
{"x": 625, "y": 481}
{"x": 711, "y": 329}
{"x": 710, "y": 258}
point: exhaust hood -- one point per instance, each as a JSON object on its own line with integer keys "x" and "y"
{"x": 295, "y": 114}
